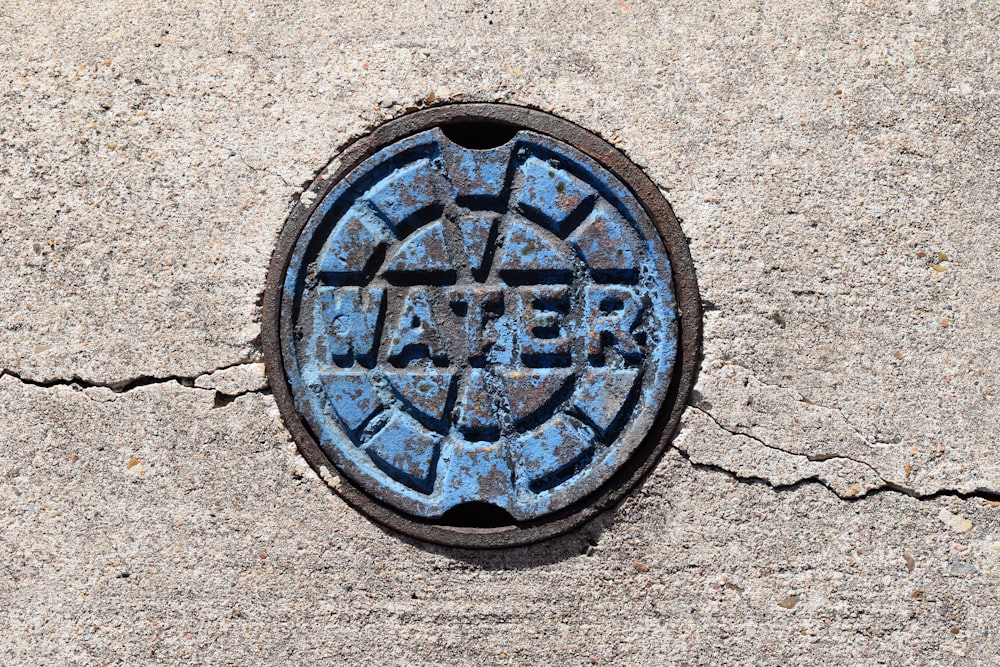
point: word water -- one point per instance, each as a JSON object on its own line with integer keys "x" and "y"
{"x": 480, "y": 326}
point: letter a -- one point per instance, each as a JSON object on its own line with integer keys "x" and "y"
{"x": 416, "y": 334}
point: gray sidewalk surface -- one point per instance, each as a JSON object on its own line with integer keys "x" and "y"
{"x": 833, "y": 496}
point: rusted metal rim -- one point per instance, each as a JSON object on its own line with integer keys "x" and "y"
{"x": 689, "y": 323}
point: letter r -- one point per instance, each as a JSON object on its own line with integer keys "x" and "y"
{"x": 611, "y": 312}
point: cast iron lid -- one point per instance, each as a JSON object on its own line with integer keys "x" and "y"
{"x": 484, "y": 331}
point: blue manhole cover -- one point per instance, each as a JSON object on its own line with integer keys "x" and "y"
{"x": 478, "y": 326}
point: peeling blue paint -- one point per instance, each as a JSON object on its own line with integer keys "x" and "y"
{"x": 550, "y": 194}
{"x": 492, "y": 326}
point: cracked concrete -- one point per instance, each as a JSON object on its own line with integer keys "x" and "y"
{"x": 706, "y": 441}
{"x": 833, "y": 493}
{"x": 196, "y": 533}
{"x": 804, "y": 440}
{"x": 231, "y": 380}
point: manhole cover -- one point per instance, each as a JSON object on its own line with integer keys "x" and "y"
{"x": 485, "y": 328}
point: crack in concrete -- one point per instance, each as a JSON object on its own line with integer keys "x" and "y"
{"x": 888, "y": 486}
{"x": 755, "y": 479}
{"x": 262, "y": 170}
{"x": 222, "y": 399}
{"x": 130, "y": 384}
{"x": 802, "y": 399}
{"x": 816, "y": 458}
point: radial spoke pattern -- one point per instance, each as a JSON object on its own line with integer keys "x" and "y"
{"x": 492, "y": 326}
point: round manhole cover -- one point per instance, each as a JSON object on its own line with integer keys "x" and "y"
{"x": 485, "y": 327}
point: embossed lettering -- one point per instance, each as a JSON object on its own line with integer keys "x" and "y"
{"x": 477, "y": 306}
{"x": 416, "y": 335}
{"x": 610, "y": 313}
{"x": 542, "y": 340}
{"x": 351, "y": 317}
{"x": 483, "y": 332}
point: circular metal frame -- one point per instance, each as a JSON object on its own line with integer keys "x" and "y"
{"x": 689, "y": 326}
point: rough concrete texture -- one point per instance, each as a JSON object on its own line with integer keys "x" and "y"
{"x": 833, "y": 495}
